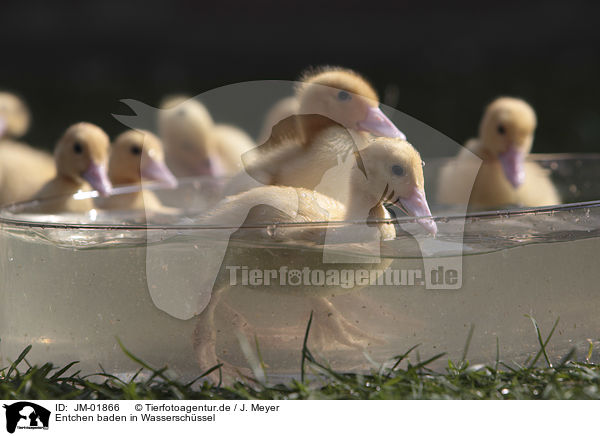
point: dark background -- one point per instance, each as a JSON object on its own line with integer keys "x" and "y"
{"x": 74, "y": 61}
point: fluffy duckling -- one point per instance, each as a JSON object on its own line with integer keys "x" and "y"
{"x": 23, "y": 169}
{"x": 81, "y": 156}
{"x": 137, "y": 155}
{"x": 294, "y": 155}
{"x": 195, "y": 145}
{"x": 385, "y": 171}
{"x": 14, "y": 116}
{"x": 505, "y": 177}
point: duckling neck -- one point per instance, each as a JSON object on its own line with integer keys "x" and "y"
{"x": 478, "y": 148}
{"x": 363, "y": 210}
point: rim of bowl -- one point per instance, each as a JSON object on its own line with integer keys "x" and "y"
{"x": 490, "y": 214}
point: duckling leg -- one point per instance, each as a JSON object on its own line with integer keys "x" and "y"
{"x": 205, "y": 335}
{"x": 331, "y": 324}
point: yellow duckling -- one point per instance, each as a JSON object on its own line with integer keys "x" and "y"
{"x": 295, "y": 153}
{"x": 14, "y": 116}
{"x": 23, "y": 169}
{"x": 505, "y": 177}
{"x": 81, "y": 156}
{"x": 386, "y": 170}
{"x": 137, "y": 155}
{"x": 195, "y": 145}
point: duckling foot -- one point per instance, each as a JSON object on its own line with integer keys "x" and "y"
{"x": 330, "y": 325}
{"x": 239, "y": 323}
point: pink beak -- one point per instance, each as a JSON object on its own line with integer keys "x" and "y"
{"x": 379, "y": 125}
{"x": 416, "y": 205}
{"x": 513, "y": 164}
{"x": 96, "y": 176}
{"x": 158, "y": 171}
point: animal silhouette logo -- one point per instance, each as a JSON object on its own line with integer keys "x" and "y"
{"x": 26, "y": 415}
{"x": 175, "y": 290}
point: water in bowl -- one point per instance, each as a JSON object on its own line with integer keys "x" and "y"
{"x": 72, "y": 285}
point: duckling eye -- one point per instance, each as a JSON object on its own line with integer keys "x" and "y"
{"x": 501, "y": 129}
{"x": 77, "y": 148}
{"x": 136, "y": 150}
{"x": 343, "y": 96}
{"x": 398, "y": 170}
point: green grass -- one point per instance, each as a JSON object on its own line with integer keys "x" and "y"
{"x": 405, "y": 378}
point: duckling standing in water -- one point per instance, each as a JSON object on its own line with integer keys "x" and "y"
{"x": 81, "y": 156}
{"x": 195, "y": 145}
{"x": 505, "y": 177}
{"x": 295, "y": 154}
{"x": 137, "y": 155}
{"x": 386, "y": 171}
{"x": 23, "y": 169}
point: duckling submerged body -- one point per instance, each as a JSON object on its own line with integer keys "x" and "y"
{"x": 390, "y": 170}
{"x": 505, "y": 177}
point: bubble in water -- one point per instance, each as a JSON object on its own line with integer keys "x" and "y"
{"x": 271, "y": 229}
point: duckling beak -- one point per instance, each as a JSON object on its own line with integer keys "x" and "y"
{"x": 159, "y": 172}
{"x": 416, "y": 205}
{"x": 96, "y": 176}
{"x": 513, "y": 164}
{"x": 379, "y": 125}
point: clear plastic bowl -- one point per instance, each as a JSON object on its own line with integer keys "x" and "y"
{"x": 71, "y": 285}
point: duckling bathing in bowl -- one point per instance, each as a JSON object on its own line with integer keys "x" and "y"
{"x": 294, "y": 154}
{"x": 23, "y": 169}
{"x": 386, "y": 170}
{"x": 81, "y": 156}
{"x": 505, "y": 177}
{"x": 137, "y": 155}
{"x": 195, "y": 145}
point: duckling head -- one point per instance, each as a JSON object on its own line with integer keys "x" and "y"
{"x": 347, "y": 98}
{"x": 185, "y": 126}
{"x": 137, "y": 155}
{"x": 506, "y": 133}
{"x": 14, "y": 116}
{"x": 81, "y": 154}
{"x": 393, "y": 170}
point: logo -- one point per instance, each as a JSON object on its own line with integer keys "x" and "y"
{"x": 26, "y": 415}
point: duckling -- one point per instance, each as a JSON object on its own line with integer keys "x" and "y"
{"x": 195, "y": 145}
{"x": 14, "y": 116}
{"x": 23, "y": 169}
{"x": 81, "y": 157}
{"x": 292, "y": 156}
{"x": 137, "y": 155}
{"x": 387, "y": 170}
{"x": 505, "y": 177}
